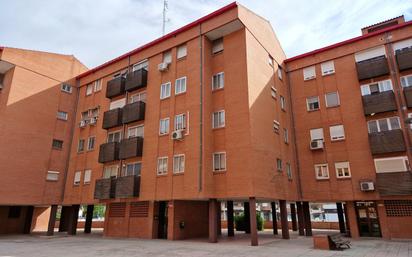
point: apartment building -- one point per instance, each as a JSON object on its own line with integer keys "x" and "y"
{"x": 36, "y": 114}
{"x": 351, "y": 113}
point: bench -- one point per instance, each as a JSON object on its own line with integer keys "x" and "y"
{"x": 338, "y": 242}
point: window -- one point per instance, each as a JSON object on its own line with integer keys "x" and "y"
{"x": 165, "y": 90}
{"x": 110, "y": 171}
{"x": 135, "y": 132}
{"x": 286, "y": 136}
{"x": 141, "y": 65}
{"x": 279, "y": 165}
{"x": 273, "y": 92}
{"x": 332, "y": 99}
{"x": 66, "y": 88}
{"x": 337, "y": 132}
{"x": 406, "y": 81}
{"x": 89, "y": 89}
{"x": 132, "y": 169}
{"x": 218, "y": 81}
{"x": 52, "y": 175}
{"x": 276, "y": 126}
{"x": 162, "y": 165}
{"x": 167, "y": 57}
{"x": 316, "y": 134}
{"x": 77, "y": 178}
{"x": 138, "y": 97}
{"x": 370, "y": 53}
{"x": 312, "y": 103}
{"x": 381, "y": 125}
{"x": 180, "y": 122}
{"x": 114, "y": 137}
{"x": 94, "y": 112}
{"x": 90, "y": 143}
{"x": 219, "y": 161}
{"x": 289, "y": 171}
{"x": 164, "y": 126}
{"x": 280, "y": 72}
{"x": 179, "y": 163}
{"x": 61, "y": 115}
{"x": 309, "y": 73}
{"x": 282, "y": 103}
{"x": 80, "y": 146}
{"x": 376, "y": 87}
{"x": 117, "y": 104}
{"x": 217, "y": 46}
{"x": 322, "y": 171}
{"x": 218, "y": 119}
{"x": 342, "y": 170}
{"x": 57, "y": 144}
{"x": 270, "y": 60}
{"x": 181, "y": 51}
{"x": 85, "y": 116}
{"x": 98, "y": 85}
{"x": 327, "y": 68}
{"x": 87, "y": 176}
{"x": 180, "y": 85}
{"x": 394, "y": 164}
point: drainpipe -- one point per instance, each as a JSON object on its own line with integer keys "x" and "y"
{"x": 200, "y": 173}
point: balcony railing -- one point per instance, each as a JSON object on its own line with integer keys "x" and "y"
{"x": 112, "y": 118}
{"x": 115, "y": 87}
{"x": 131, "y": 147}
{"x": 380, "y": 102}
{"x": 133, "y": 112}
{"x": 407, "y": 91}
{"x": 394, "y": 183}
{"x": 105, "y": 188}
{"x": 109, "y": 152}
{"x": 127, "y": 186}
{"x": 372, "y": 68}
{"x": 404, "y": 58}
{"x": 387, "y": 142}
{"x": 136, "y": 80}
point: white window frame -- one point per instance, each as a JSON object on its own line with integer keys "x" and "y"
{"x": 280, "y": 72}
{"x": 276, "y": 126}
{"x": 406, "y": 81}
{"x": 273, "y": 92}
{"x": 114, "y": 171}
{"x": 286, "y": 135}
{"x": 283, "y": 103}
{"x": 218, "y": 81}
{"x": 89, "y": 89}
{"x": 165, "y": 90}
{"x": 141, "y": 96}
{"x": 117, "y": 104}
{"x": 87, "y": 176}
{"x": 124, "y": 170}
{"x": 62, "y": 115}
{"x": 405, "y": 164}
{"x": 308, "y": 104}
{"x": 144, "y": 64}
{"x": 167, "y": 57}
{"x": 178, "y": 167}
{"x": 162, "y": 165}
{"x": 325, "y": 175}
{"x": 52, "y": 175}
{"x": 88, "y": 143}
{"x": 181, "y": 51}
{"x": 327, "y": 68}
{"x": 383, "y": 85}
{"x": 378, "y": 125}
{"x": 137, "y": 130}
{"x": 166, "y": 129}
{"x": 112, "y": 133}
{"x": 279, "y": 165}
{"x": 98, "y": 85}
{"x": 309, "y": 73}
{"x": 77, "y": 178}
{"x": 337, "y": 96}
{"x": 180, "y": 85}
{"x": 180, "y": 122}
{"x": 289, "y": 171}
{"x": 334, "y": 137}
{"x": 218, "y": 119}
{"x": 315, "y": 131}
{"x": 219, "y": 167}
{"x": 342, "y": 165}
{"x": 66, "y": 88}
{"x": 217, "y": 45}
{"x": 80, "y": 150}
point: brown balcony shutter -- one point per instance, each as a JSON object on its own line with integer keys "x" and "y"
{"x": 117, "y": 210}
{"x": 398, "y": 208}
{"x": 139, "y": 209}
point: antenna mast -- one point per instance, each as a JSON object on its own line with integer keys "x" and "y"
{"x": 165, "y": 7}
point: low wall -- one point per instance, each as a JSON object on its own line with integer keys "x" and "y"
{"x": 80, "y": 224}
{"x": 315, "y": 225}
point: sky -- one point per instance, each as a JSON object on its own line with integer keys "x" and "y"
{"x": 96, "y": 31}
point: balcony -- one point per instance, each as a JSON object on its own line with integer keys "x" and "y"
{"x": 127, "y": 186}
{"x": 404, "y": 58}
{"x": 136, "y": 80}
{"x": 105, "y": 188}
{"x": 407, "y": 91}
{"x": 112, "y": 118}
{"x": 133, "y": 112}
{"x": 380, "y": 102}
{"x": 394, "y": 183}
{"x": 387, "y": 142}
{"x": 109, "y": 152}
{"x": 131, "y": 147}
{"x": 115, "y": 87}
{"x": 372, "y": 68}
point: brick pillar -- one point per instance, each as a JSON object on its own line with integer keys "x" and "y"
{"x": 253, "y": 222}
{"x": 306, "y": 214}
{"x": 274, "y": 218}
{"x": 341, "y": 219}
{"x": 219, "y": 218}
{"x": 284, "y": 219}
{"x": 247, "y": 217}
{"x": 352, "y": 219}
{"x": 28, "y": 219}
{"x": 72, "y": 222}
{"x": 230, "y": 219}
{"x": 89, "y": 219}
{"x": 212, "y": 221}
{"x": 52, "y": 220}
{"x": 301, "y": 219}
{"x": 293, "y": 216}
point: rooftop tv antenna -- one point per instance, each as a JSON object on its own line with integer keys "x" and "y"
{"x": 165, "y": 19}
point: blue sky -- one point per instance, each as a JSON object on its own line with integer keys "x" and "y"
{"x": 96, "y": 31}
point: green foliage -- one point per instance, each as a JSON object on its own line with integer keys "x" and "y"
{"x": 240, "y": 223}
{"x": 99, "y": 211}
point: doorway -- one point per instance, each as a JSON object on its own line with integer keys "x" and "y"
{"x": 162, "y": 229}
{"x": 368, "y": 220}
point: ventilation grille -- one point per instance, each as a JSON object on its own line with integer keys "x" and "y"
{"x": 139, "y": 209}
{"x": 117, "y": 210}
{"x": 398, "y": 208}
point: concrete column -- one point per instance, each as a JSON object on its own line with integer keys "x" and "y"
{"x": 284, "y": 219}
{"x": 274, "y": 218}
{"x": 89, "y": 219}
{"x": 52, "y": 220}
{"x": 212, "y": 221}
{"x": 253, "y": 222}
{"x": 230, "y": 219}
{"x": 293, "y": 216}
{"x": 306, "y": 214}
{"x": 219, "y": 218}
{"x": 339, "y": 208}
{"x": 72, "y": 221}
{"x": 301, "y": 219}
{"x": 28, "y": 219}
{"x": 247, "y": 217}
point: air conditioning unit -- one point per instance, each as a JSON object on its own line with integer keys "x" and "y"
{"x": 316, "y": 144}
{"x": 177, "y": 135}
{"x": 163, "y": 66}
{"x": 83, "y": 123}
{"x": 367, "y": 186}
{"x": 93, "y": 121}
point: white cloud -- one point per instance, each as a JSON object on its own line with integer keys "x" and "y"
{"x": 97, "y": 31}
